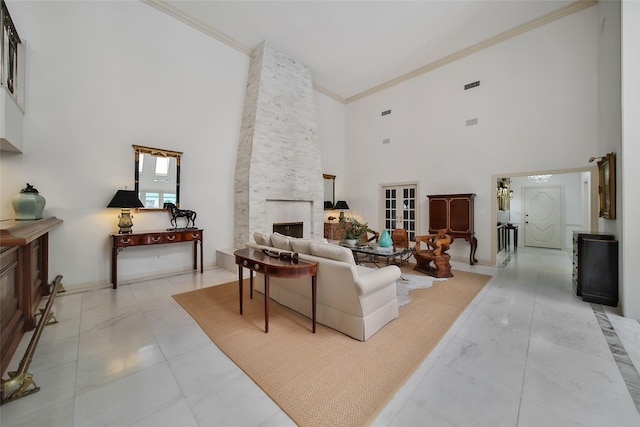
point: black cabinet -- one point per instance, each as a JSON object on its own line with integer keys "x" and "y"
{"x": 595, "y": 267}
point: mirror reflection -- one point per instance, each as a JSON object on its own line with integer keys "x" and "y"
{"x": 329, "y": 190}
{"x": 157, "y": 176}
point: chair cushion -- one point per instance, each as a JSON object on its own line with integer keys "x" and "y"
{"x": 335, "y": 252}
{"x": 262, "y": 238}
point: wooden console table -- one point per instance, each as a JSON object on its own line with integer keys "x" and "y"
{"x": 256, "y": 260}
{"x": 159, "y": 237}
{"x": 24, "y": 256}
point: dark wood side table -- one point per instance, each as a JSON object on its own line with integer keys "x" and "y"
{"x": 24, "y": 279}
{"x": 159, "y": 237}
{"x": 509, "y": 228}
{"x": 256, "y": 260}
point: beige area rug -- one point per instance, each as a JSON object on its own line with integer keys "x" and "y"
{"x": 328, "y": 378}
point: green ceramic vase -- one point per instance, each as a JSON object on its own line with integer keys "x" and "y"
{"x": 385, "y": 239}
{"x": 28, "y": 204}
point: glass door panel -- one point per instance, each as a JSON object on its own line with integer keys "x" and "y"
{"x": 400, "y": 208}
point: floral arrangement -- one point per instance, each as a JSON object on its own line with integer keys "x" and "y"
{"x": 353, "y": 229}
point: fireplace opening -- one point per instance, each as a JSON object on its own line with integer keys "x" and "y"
{"x": 293, "y": 229}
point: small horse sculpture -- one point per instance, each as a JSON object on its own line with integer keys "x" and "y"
{"x": 180, "y": 213}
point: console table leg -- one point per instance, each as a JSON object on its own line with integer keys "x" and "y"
{"x": 313, "y": 301}
{"x": 114, "y": 267}
{"x": 195, "y": 254}
{"x": 240, "y": 285}
{"x": 266, "y": 303}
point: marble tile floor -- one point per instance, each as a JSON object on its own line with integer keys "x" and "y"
{"x": 526, "y": 352}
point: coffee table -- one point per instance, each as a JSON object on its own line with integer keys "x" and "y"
{"x": 375, "y": 254}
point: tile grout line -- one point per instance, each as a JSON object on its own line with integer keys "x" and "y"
{"x": 628, "y": 371}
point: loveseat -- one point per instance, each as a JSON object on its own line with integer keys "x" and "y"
{"x": 353, "y": 299}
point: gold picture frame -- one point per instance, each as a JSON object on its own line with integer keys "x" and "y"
{"x": 607, "y": 186}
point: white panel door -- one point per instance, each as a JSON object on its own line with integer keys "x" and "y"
{"x": 543, "y": 217}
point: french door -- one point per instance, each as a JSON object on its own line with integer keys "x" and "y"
{"x": 400, "y": 208}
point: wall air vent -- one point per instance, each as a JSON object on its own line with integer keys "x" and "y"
{"x": 472, "y": 122}
{"x": 472, "y": 85}
{"x": 385, "y": 112}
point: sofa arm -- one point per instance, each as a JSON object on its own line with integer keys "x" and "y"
{"x": 377, "y": 279}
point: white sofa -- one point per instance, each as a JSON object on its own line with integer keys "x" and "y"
{"x": 352, "y": 299}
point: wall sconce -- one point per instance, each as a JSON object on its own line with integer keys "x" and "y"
{"x": 125, "y": 199}
{"x": 510, "y": 194}
{"x": 341, "y": 206}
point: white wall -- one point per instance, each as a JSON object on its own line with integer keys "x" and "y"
{"x": 102, "y": 76}
{"x": 630, "y": 159}
{"x": 536, "y": 108}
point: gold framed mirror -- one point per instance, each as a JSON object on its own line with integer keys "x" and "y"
{"x": 157, "y": 176}
{"x": 607, "y": 186}
{"x": 329, "y": 191}
{"x": 503, "y": 191}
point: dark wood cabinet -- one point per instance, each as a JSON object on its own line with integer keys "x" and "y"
{"x": 454, "y": 213}
{"x": 333, "y": 231}
{"x": 24, "y": 269}
{"x": 595, "y": 267}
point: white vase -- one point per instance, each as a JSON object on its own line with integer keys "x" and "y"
{"x": 351, "y": 242}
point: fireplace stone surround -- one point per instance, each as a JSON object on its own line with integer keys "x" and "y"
{"x": 278, "y": 175}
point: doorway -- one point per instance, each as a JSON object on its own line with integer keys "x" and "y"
{"x": 400, "y": 208}
{"x": 578, "y": 188}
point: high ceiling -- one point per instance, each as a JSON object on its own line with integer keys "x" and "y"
{"x": 355, "y": 46}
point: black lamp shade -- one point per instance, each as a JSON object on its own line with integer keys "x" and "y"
{"x": 328, "y": 204}
{"x": 125, "y": 199}
{"x": 341, "y": 205}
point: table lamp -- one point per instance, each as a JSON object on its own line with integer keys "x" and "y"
{"x": 341, "y": 206}
{"x": 125, "y": 199}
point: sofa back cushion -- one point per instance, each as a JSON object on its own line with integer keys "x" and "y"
{"x": 281, "y": 241}
{"x": 262, "y": 238}
{"x": 302, "y": 246}
{"x": 335, "y": 252}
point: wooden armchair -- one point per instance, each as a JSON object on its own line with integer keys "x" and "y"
{"x": 431, "y": 248}
{"x": 374, "y": 236}
{"x": 400, "y": 237}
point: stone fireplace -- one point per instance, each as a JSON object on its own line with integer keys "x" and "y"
{"x": 278, "y": 175}
{"x": 293, "y": 229}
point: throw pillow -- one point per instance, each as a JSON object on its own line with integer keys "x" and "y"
{"x": 262, "y": 238}
{"x": 281, "y": 241}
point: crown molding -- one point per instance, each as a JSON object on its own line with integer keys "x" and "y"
{"x": 330, "y": 94}
{"x": 198, "y": 25}
{"x": 492, "y": 41}
{"x": 222, "y": 37}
